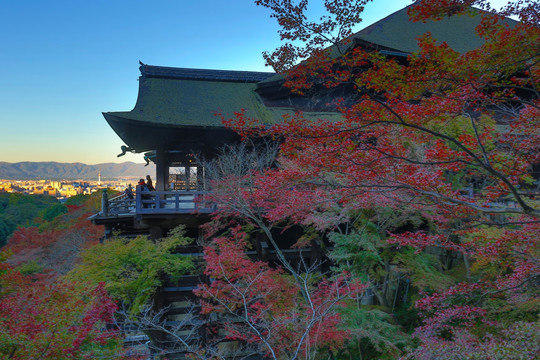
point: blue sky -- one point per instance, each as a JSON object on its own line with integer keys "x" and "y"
{"x": 64, "y": 62}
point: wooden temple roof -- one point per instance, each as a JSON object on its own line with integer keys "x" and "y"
{"x": 399, "y": 33}
{"x": 180, "y": 105}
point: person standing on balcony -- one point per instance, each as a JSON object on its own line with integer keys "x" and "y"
{"x": 142, "y": 187}
{"x": 129, "y": 192}
{"x": 149, "y": 184}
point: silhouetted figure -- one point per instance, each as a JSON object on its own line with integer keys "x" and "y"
{"x": 149, "y": 184}
{"x": 129, "y": 192}
{"x": 141, "y": 186}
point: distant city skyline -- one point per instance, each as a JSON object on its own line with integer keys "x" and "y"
{"x": 64, "y": 62}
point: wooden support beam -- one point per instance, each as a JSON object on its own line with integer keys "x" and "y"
{"x": 201, "y": 185}
{"x": 162, "y": 170}
{"x": 187, "y": 172}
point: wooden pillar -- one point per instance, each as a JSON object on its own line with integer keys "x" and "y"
{"x": 104, "y": 203}
{"x": 200, "y": 178}
{"x": 261, "y": 246}
{"x": 162, "y": 171}
{"x": 188, "y": 175}
{"x": 107, "y": 234}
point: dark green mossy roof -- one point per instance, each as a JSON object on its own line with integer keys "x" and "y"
{"x": 398, "y": 32}
{"x": 194, "y": 102}
{"x": 193, "y": 97}
{"x": 187, "y": 102}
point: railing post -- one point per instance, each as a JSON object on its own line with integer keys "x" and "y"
{"x": 138, "y": 200}
{"x": 104, "y": 203}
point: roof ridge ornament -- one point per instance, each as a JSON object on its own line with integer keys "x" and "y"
{"x": 167, "y": 72}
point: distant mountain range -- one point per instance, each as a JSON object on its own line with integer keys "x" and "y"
{"x": 73, "y": 171}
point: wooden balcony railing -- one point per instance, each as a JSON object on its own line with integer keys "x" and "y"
{"x": 162, "y": 202}
{"x": 158, "y": 202}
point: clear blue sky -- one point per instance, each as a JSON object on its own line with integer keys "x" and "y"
{"x": 64, "y": 62}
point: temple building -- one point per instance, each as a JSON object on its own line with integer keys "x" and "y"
{"x": 179, "y": 113}
{"x": 179, "y": 110}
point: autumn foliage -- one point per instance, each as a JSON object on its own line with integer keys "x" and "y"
{"x": 422, "y": 192}
{"x": 43, "y": 315}
{"x": 452, "y": 138}
{"x": 270, "y": 309}
{"x": 43, "y": 318}
{"x": 54, "y": 244}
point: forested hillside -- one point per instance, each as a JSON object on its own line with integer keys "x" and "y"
{"x": 26, "y": 211}
{"x": 44, "y": 232}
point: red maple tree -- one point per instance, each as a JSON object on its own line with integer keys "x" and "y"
{"x": 271, "y": 311}
{"x": 44, "y": 318}
{"x": 450, "y": 136}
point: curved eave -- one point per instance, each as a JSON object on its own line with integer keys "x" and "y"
{"x": 144, "y": 136}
